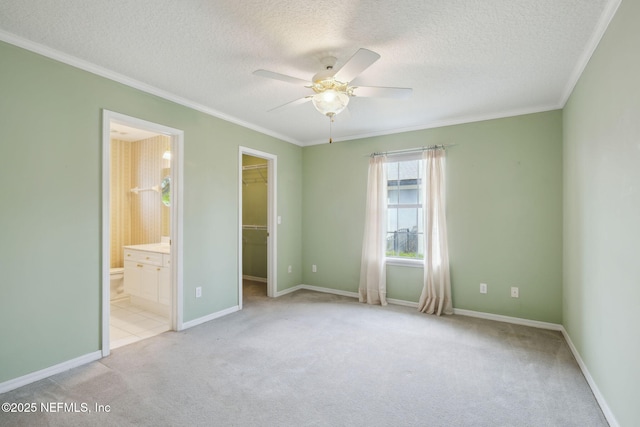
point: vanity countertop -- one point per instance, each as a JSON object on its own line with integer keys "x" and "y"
{"x": 162, "y": 248}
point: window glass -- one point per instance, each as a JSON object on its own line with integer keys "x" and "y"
{"x": 392, "y": 195}
{"x": 392, "y": 220}
{"x": 408, "y": 194}
{"x": 408, "y": 219}
{"x": 405, "y": 228}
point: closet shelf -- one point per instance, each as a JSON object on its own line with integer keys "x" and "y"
{"x": 257, "y": 168}
{"x": 254, "y": 227}
{"x": 251, "y": 167}
{"x": 253, "y": 181}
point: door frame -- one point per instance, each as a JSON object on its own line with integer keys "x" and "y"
{"x": 272, "y": 220}
{"x": 176, "y": 213}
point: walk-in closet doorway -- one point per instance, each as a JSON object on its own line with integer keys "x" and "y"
{"x": 257, "y": 220}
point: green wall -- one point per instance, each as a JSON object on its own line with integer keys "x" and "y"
{"x": 504, "y": 204}
{"x": 602, "y": 215}
{"x": 50, "y": 167}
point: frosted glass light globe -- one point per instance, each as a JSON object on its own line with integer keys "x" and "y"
{"x": 330, "y": 102}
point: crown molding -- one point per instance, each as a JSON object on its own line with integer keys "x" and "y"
{"x": 443, "y": 123}
{"x": 136, "y": 84}
{"x": 590, "y": 48}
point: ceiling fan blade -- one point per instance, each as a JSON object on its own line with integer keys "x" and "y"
{"x": 360, "y": 61}
{"x": 282, "y": 77}
{"x": 382, "y": 92}
{"x": 291, "y": 103}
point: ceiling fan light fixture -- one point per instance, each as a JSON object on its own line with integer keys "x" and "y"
{"x": 332, "y": 90}
{"x": 330, "y": 102}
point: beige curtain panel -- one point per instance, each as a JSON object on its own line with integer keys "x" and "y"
{"x": 436, "y": 293}
{"x": 373, "y": 272}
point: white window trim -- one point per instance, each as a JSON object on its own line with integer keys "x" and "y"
{"x": 405, "y": 262}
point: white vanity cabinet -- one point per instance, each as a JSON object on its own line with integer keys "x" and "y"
{"x": 147, "y": 274}
{"x": 164, "y": 281}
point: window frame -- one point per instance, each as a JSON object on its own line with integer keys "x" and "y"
{"x": 399, "y": 260}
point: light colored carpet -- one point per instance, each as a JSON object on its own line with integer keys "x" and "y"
{"x": 313, "y": 359}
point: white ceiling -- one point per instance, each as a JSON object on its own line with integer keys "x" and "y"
{"x": 466, "y": 60}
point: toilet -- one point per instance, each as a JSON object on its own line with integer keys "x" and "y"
{"x": 117, "y": 282}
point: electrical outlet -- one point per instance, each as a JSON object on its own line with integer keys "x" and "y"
{"x": 515, "y": 293}
{"x": 290, "y": 269}
{"x": 483, "y": 288}
{"x": 314, "y": 269}
{"x": 198, "y": 291}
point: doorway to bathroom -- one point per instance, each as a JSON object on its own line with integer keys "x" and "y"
{"x": 257, "y": 235}
{"x": 141, "y": 230}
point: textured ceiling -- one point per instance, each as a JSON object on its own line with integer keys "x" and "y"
{"x": 466, "y": 60}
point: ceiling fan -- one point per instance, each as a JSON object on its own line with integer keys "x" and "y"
{"x": 333, "y": 88}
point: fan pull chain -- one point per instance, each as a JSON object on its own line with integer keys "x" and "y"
{"x": 330, "y": 128}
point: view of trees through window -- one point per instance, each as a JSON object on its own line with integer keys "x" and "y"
{"x": 404, "y": 209}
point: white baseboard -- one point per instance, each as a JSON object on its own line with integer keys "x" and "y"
{"x": 330, "y": 291}
{"x": 47, "y": 372}
{"x": 255, "y": 279}
{"x": 288, "y": 290}
{"x": 317, "y": 289}
{"x": 412, "y": 304}
{"x": 355, "y": 295}
{"x": 508, "y": 319}
{"x": 203, "y": 319}
{"x": 402, "y": 302}
{"x": 611, "y": 419}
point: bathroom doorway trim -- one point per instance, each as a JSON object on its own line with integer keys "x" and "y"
{"x": 272, "y": 220}
{"x": 177, "y": 149}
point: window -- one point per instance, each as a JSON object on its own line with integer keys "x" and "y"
{"x": 405, "y": 228}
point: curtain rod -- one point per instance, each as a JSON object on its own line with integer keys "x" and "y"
{"x": 409, "y": 150}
